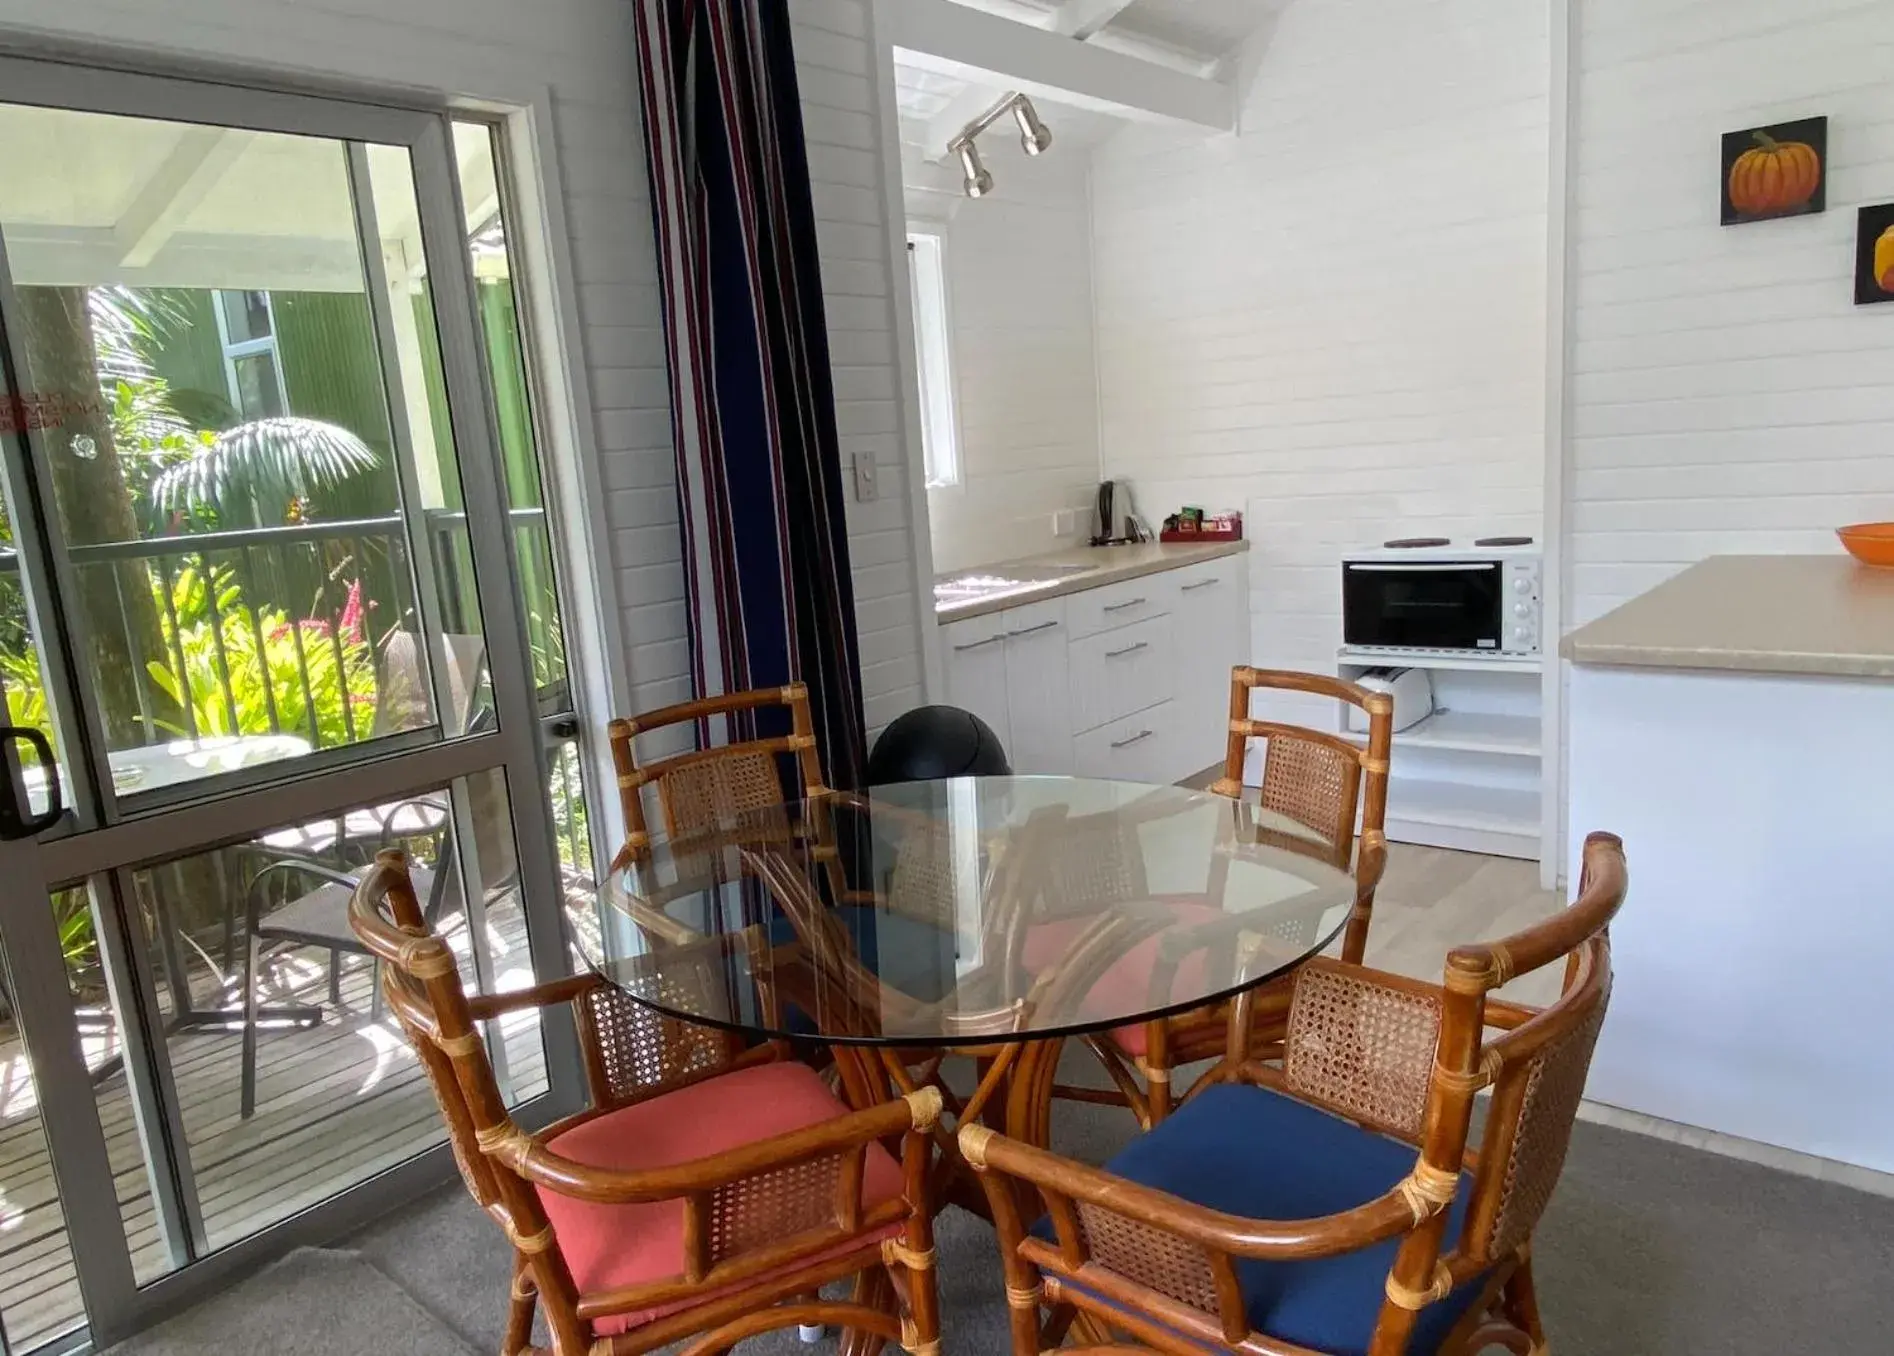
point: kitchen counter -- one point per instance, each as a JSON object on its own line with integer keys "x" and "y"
{"x": 1103, "y": 565}
{"x": 1755, "y": 614}
{"x": 1735, "y": 725}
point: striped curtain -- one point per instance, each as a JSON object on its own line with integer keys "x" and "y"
{"x": 759, "y": 478}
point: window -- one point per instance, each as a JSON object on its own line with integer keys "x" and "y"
{"x": 247, "y": 327}
{"x": 933, "y": 359}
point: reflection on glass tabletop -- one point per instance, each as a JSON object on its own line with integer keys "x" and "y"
{"x": 967, "y": 911}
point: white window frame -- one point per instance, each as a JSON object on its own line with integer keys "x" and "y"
{"x": 244, "y": 348}
{"x": 933, "y": 357}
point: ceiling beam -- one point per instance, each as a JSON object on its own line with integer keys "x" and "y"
{"x": 958, "y": 40}
{"x": 1082, "y": 18}
{"x": 195, "y": 163}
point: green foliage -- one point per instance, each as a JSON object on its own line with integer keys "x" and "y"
{"x": 263, "y": 472}
{"x": 264, "y": 652}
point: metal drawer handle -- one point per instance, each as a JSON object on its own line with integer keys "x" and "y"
{"x": 974, "y": 645}
{"x": 1129, "y": 649}
{"x": 1127, "y": 743}
{"x": 1027, "y": 631}
{"x": 1201, "y": 584}
{"x": 1120, "y": 607}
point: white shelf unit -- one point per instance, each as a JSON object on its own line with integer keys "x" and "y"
{"x": 1467, "y": 776}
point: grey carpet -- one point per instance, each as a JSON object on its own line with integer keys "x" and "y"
{"x": 314, "y": 1302}
{"x": 1648, "y": 1249}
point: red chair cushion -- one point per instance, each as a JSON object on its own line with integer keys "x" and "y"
{"x": 1126, "y": 985}
{"x": 609, "y": 1247}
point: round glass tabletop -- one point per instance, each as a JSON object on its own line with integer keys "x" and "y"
{"x": 968, "y": 911}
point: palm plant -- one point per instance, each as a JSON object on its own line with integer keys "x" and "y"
{"x": 265, "y": 470}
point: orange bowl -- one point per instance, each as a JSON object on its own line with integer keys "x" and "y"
{"x": 1870, "y": 543}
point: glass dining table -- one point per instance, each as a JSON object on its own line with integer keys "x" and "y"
{"x": 997, "y": 917}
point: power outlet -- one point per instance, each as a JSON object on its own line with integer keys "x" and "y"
{"x": 867, "y": 481}
{"x": 1065, "y": 523}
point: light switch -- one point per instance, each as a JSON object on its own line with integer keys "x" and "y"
{"x": 867, "y": 485}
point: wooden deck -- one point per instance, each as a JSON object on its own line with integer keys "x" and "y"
{"x": 335, "y": 1105}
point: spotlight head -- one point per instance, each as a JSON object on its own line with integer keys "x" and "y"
{"x": 978, "y": 182}
{"x": 1034, "y": 136}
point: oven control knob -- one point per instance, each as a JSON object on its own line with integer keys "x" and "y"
{"x": 1522, "y": 609}
{"x": 1521, "y": 584}
{"x": 1522, "y": 633}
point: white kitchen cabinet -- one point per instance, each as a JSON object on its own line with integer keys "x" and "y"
{"x": 1134, "y": 748}
{"x": 1039, "y": 711}
{"x": 1117, "y": 672}
{"x": 974, "y": 652}
{"x": 1210, "y": 635}
{"x": 1009, "y": 669}
{"x": 1129, "y": 680}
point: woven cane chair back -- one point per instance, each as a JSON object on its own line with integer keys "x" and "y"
{"x": 699, "y": 790}
{"x": 1311, "y": 778}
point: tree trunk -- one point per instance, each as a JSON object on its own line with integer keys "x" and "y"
{"x": 115, "y": 602}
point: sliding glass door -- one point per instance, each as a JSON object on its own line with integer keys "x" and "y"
{"x": 274, "y": 596}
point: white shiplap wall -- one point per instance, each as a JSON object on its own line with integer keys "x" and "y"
{"x": 1336, "y": 318}
{"x": 1020, "y": 302}
{"x": 1726, "y": 394}
{"x": 579, "y": 53}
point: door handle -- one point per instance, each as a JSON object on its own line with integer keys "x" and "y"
{"x": 1446, "y": 567}
{"x": 1127, "y": 743}
{"x": 1120, "y": 607}
{"x": 976, "y": 644}
{"x": 15, "y": 820}
{"x": 1129, "y": 649}
{"x": 1029, "y": 630}
{"x": 1200, "y": 584}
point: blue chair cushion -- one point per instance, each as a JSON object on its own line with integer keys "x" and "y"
{"x": 906, "y": 954}
{"x": 1252, "y": 1152}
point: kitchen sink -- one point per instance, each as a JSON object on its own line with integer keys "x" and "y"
{"x": 1000, "y": 582}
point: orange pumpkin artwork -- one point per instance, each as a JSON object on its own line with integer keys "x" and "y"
{"x": 1874, "y": 255}
{"x": 1774, "y": 171}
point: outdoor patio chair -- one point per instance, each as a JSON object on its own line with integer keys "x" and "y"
{"x": 302, "y": 902}
{"x": 708, "y": 1191}
{"x": 1332, "y": 1202}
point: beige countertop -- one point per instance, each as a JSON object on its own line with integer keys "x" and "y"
{"x": 1104, "y": 565}
{"x": 1760, "y": 614}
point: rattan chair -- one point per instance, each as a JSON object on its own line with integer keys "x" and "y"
{"x": 701, "y": 788}
{"x": 1330, "y": 1204}
{"x": 708, "y": 1191}
{"x": 1316, "y": 786}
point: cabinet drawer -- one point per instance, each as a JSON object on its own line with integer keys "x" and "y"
{"x": 1117, "y": 672}
{"x": 1120, "y": 604}
{"x": 1127, "y": 750}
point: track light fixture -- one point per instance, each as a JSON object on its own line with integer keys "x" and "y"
{"x": 978, "y": 182}
{"x": 1034, "y": 138}
{"x": 1034, "y": 135}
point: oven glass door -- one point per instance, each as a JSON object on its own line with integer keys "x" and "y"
{"x": 1453, "y": 605}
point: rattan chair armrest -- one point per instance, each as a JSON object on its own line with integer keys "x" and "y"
{"x": 539, "y": 1165}
{"x": 1386, "y": 1216}
{"x": 484, "y": 1007}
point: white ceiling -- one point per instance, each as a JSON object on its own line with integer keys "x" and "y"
{"x": 1194, "y": 34}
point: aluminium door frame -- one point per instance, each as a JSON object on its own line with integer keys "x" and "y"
{"x": 115, "y": 1305}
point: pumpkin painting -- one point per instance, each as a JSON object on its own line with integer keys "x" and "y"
{"x": 1774, "y": 176}
{"x": 1874, "y": 255}
{"x": 1775, "y": 171}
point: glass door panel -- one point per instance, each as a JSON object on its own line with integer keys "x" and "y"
{"x": 228, "y": 443}
{"x": 39, "y": 1287}
{"x": 307, "y": 1086}
{"x": 271, "y": 629}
